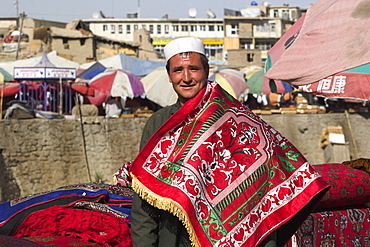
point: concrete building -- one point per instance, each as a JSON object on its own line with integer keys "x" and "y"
{"x": 162, "y": 31}
{"x": 241, "y": 38}
{"x": 253, "y": 29}
{"x": 9, "y": 44}
{"x": 26, "y": 24}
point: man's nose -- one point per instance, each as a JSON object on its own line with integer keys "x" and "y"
{"x": 187, "y": 75}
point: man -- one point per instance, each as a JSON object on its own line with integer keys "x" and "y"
{"x": 210, "y": 172}
{"x": 188, "y": 73}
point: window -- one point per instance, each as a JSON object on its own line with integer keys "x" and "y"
{"x": 246, "y": 45}
{"x": 211, "y": 28}
{"x": 202, "y": 27}
{"x": 112, "y": 29}
{"x": 234, "y": 28}
{"x": 264, "y": 46}
{"x": 151, "y": 28}
{"x": 263, "y": 27}
{"x": 136, "y": 27}
{"x": 193, "y": 28}
{"x": 105, "y": 27}
{"x": 184, "y": 28}
{"x": 250, "y": 57}
{"x": 128, "y": 29}
{"x": 285, "y": 14}
{"x": 175, "y": 28}
{"x": 65, "y": 43}
{"x": 166, "y": 29}
{"x": 272, "y": 27}
{"x": 220, "y": 27}
{"x": 120, "y": 29}
{"x": 159, "y": 29}
{"x": 276, "y": 13}
{"x": 143, "y": 26}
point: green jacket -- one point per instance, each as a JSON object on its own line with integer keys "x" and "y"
{"x": 151, "y": 226}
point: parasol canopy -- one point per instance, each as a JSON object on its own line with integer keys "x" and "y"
{"x": 231, "y": 80}
{"x": 256, "y": 82}
{"x": 117, "y": 83}
{"x": 5, "y": 76}
{"x": 157, "y": 87}
{"x": 92, "y": 71}
{"x": 159, "y": 90}
{"x": 327, "y": 51}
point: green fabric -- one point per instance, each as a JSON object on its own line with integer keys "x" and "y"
{"x": 255, "y": 82}
{"x": 360, "y": 69}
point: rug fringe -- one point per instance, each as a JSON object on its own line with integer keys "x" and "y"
{"x": 165, "y": 204}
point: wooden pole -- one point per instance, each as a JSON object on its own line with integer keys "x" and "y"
{"x": 23, "y": 15}
{"x": 2, "y": 99}
{"x": 77, "y": 103}
{"x": 60, "y": 96}
{"x": 352, "y": 136}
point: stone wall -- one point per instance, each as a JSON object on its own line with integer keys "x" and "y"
{"x": 41, "y": 154}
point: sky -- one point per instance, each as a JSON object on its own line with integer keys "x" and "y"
{"x": 69, "y": 10}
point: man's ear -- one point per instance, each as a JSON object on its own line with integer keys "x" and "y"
{"x": 169, "y": 78}
{"x": 207, "y": 71}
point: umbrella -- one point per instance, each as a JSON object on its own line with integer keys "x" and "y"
{"x": 327, "y": 50}
{"x": 6, "y": 89}
{"x": 117, "y": 83}
{"x": 5, "y": 76}
{"x": 92, "y": 71}
{"x": 256, "y": 82}
{"x": 157, "y": 87}
{"x": 159, "y": 90}
{"x": 231, "y": 80}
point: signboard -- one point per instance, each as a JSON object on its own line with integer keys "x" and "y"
{"x": 29, "y": 73}
{"x": 35, "y": 73}
{"x": 56, "y": 73}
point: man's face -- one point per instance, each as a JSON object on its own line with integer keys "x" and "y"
{"x": 187, "y": 75}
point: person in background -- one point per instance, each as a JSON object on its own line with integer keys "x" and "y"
{"x": 212, "y": 172}
{"x": 113, "y": 108}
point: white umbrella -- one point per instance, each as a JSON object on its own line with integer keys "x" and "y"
{"x": 158, "y": 89}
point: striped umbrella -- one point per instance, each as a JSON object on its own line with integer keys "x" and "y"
{"x": 117, "y": 83}
{"x": 231, "y": 80}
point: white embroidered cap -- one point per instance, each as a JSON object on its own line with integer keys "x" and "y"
{"x": 185, "y": 44}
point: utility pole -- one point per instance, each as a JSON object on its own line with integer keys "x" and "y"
{"x": 138, "y": 8}
{"x": 17, "y": 7}
{"x": 23, "y": 15}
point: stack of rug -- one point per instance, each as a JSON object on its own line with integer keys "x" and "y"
{"x": 88, "y": 214}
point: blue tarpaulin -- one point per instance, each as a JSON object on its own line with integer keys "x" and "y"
{"x": 139, "y": 67}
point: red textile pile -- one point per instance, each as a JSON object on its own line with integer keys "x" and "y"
{"x": 340, "y": 227}
{"x": 86, "y": 225}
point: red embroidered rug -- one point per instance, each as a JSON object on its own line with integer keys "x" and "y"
{"x": 230, "y": 177}
{"x": 337, "y": 227}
